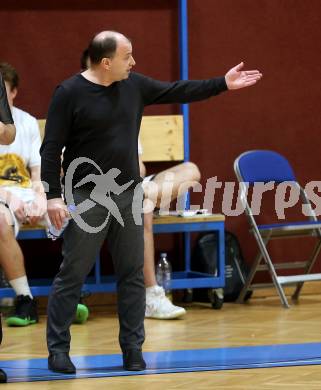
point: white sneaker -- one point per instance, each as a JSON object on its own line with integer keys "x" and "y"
{"x": 159, "y": 306}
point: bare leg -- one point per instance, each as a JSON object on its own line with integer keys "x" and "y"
{"x": 149, "y": 261}
{"x": 188, "y": 175}
{"x": 12, "y": 262}
{"x": 169, "y": 183}
{"x": 11, "y": 258}
{"x": 185, "y": 173}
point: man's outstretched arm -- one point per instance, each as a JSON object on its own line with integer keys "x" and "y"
{"x": 188, "y": 91}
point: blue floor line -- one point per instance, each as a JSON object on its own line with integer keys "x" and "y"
{"x": 214, "y": 359}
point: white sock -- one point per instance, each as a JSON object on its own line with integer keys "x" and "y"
{"x": 151, "y": 289}
{"x": 21, "y": 286}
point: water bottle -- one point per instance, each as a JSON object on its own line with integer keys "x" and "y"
{"x": 53, "y": 232}
{"x": 164, "y": 274}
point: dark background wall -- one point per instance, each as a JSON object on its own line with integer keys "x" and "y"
{"x": 44, "y": 39}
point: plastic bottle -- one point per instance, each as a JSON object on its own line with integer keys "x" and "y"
{"x": 164, "y": 274}
{"x": 54, "y": 233}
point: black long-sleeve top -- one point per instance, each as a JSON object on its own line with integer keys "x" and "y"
{"x": 5, "y": 112}
{"x": 102, "y": 123}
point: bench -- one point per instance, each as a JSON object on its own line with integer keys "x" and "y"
{"x": 162, "y": 140}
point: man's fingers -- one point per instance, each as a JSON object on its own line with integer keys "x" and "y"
{"x": 57, "y": 212}
{"x": 256, "y": 74}
{"x": 56, "y": 218}
{"x": 238, "y": 67}
{"x": 254, "y": 77}
{"x": 250, "y": 72}
{"x": 56, "y": 221}
{"x": 249, "y": 83}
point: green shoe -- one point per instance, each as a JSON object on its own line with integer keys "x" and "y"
{"x": 25, "y": 312}
{"x": 16, "y": 321}
{"x": 82, "y": 314}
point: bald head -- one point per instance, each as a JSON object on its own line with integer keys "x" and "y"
{"x": 109, "y": 35}
{"x": 104, "y": 45}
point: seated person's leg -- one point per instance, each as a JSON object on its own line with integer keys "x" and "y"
{"x": 157, "y": 304}
{"x": 175, "y": 181}
{"x": 12, "y": 262}
{"x": 149, "y": 266}
{"x": 182, "y": 177}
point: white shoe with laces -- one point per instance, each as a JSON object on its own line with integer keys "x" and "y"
{"x": 159, "y": 306}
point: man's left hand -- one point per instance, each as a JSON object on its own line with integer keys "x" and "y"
{"x": 237, "y": 78}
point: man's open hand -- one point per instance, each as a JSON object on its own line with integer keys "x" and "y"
{"x": 237, "y": 78}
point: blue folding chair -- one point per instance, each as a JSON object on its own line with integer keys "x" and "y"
{"x": 264, "y": 166}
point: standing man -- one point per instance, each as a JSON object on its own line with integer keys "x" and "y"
{"x": 158, "y": 305}
{"x": 96, "y": 115}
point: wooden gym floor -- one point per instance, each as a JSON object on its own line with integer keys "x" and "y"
{"x": 262, "y": 321}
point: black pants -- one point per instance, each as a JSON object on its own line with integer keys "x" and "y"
{"x": 80, "y": 249}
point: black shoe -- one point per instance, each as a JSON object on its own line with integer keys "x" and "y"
{"x": 25, "y": 312}
{"x": 60, "y": 362}
{"x": 133, "y": 360}
{"x": 3, "y": 376}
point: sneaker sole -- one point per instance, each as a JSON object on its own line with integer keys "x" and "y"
{"x": 171, "y": 316}
{"x": 82, "y": 314}
{"x": 16, "y": 321}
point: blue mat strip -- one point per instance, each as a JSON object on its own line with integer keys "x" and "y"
{"x": 215, "y": 359}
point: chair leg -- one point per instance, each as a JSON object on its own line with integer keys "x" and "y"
{"x": 307, "y": 270}
{"x": 271, "y": 268}
{"x": 248, "y": 281}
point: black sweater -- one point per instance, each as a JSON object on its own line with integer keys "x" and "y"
{"x": 5, "y": 113}
{"x": 102, "y": 123}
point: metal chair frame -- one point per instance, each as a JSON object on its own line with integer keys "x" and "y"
{"x": 265, "y": 233}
